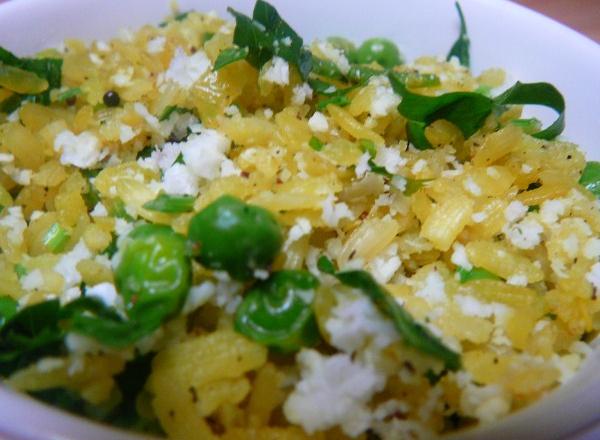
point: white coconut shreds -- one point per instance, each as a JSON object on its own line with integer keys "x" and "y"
{"x": 334, "y": 212}
{"x": 185, "y": 70}
{"x": 83, "y": 150}
{"x": 355, "y": 322}
{"x": 333, "y": 390}
{"x": 278, "y": 72}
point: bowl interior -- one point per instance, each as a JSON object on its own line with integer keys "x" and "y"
{"x": 528, "y": 46}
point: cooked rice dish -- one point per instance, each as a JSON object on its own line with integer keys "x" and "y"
{"x": 210, "y": 229}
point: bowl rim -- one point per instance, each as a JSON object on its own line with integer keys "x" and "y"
{"x": 15, "y": 404}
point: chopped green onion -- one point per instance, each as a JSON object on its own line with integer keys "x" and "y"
{"x": 171, "y": 204}
{"x": 477, "y": 273}
{"x": 315, "y": 143}
{"x": 528, "y": 126}
{"x": 20, "y": 270}
{"x": 368, "y": 146}
{"x": 414, "y": 185}
{"x": 590, "y": 178}
{"x": 68, "y": 94}
{"x": 56, "y": 238}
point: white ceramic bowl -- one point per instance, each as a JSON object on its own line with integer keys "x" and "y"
{"x": 527, "y": 45}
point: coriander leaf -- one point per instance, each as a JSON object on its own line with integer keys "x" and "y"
{"x": 171, "y": 204}
{"x": 8, "y": 308}
{"x": 590, "y": 178}
{"x": 413, "y": 333}
{"x": 230, "y": 55}
{"x": 267, "y": 35}
{"x": 542, "y": 93}
{"x": 460, "y": 48}
{"x": 477, "y": 273}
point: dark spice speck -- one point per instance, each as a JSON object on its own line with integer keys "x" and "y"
{"x": 111, "y": 98}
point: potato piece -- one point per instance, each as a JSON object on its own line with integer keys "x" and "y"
{"x": 212, "y": 362}
{"x": 498, "y": 145}
{"x": 447, "y": 220}
{"x": 496, "y": 258}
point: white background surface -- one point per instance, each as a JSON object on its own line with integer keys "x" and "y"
{"x": 529, "y": 46}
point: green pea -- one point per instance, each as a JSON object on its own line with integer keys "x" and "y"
{"x": 380, "y": 50}
{"x": 153, "y": 271}
{"x": 278, "y": 312}
{"x": 234, "y": 236}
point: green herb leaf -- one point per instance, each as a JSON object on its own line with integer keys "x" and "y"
{"x": 169, "y": 110}
{"x": 49, "y": 69}
{"x": 537, "y": 94}
{"x": 367, "y": 146}
{"x": 379, "y": 169}
{"x": 413, "y": 333}
{"x": 266, "y": 35}
{"x": 171, "y": 204}
{"x": 315, "y": 143}
{"x": 8, "y": 308}
{"x": 460, "y": 48}
{"x": 20, "y": 270}
{"x": 325, "y": 265}
{"x": 477, "y": 273}
{"x": 230, "y": 55}
{"x": 590, "y": 178}
{"x": 469, "y": 110}
{"x": 30, "y": 334}
{"x": 414, "y": 185}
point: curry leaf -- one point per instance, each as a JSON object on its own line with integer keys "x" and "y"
{"x": 30, "y": 334}
{"x": 267, "y": 35}
{"x": 171, "y": 204}
{"x": 544, "y": 94}
{"x": 413, "y": 333}
{"x": 8, "y": 308}
{"x": 469, "y": 110}
{"x": 460, "y": 48}
{"x": 230, "y": 55}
